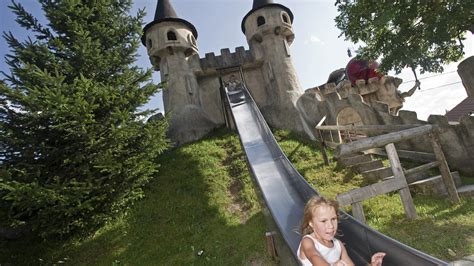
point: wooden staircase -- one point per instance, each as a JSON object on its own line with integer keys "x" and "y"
{"x": 419, "y": 181}
{"x": 358, "y": 156}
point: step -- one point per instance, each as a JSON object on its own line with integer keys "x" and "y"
{"x": 353, "y": 160}
{"x": 367, "y": 166}
{"x": 433, "y": 185}
{"x": 377, "y": 174}
{"x": 415, "y": 156}
{"x": 466, "y": 191}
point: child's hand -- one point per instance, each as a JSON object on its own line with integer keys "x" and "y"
{"x": 377, "y": 259}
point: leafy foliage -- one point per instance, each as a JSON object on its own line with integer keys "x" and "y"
{"x": 407, "y": 33}
{"x": 203, "y": 197}
{"x": 74, "y": 149}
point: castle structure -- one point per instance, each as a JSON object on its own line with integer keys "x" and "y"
{"x": 193, "y": 95}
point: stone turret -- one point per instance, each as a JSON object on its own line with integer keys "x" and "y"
{"x": 269, "y": 33}
{"x": 170, "y": 43}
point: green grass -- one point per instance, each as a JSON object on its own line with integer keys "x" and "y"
{"x": 441, "y": 229}
{"x": 203, "y": 199}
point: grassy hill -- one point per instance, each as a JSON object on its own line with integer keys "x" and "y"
{"x": 202, "y": 209}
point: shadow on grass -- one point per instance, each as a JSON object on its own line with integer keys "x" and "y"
{"x": 186, "y": 218}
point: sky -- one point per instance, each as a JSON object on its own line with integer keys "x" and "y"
{"x": 316, "y": 51}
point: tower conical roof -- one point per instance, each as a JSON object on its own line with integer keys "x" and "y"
{"x": 164, "y": 9}
{"x": 258, "y": 4}
{"x": 165, "y": 12}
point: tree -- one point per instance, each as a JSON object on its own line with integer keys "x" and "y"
{"x": 427, "y": 34}
{"x": 74, "y": 147}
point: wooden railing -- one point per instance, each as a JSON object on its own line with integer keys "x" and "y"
{"x": 350, "y": 131}
{"x": 399, "y": 180}
{"x": 381, "y": 140}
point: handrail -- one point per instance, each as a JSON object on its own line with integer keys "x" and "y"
{"x": 368, "y": 128}
{"x": 321, "y": 122}
{"x": 378, "y": 141}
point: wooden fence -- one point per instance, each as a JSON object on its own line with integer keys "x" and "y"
{"x": 399, "y": 180}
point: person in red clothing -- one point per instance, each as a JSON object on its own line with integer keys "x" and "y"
{"x": 358, "y": 68}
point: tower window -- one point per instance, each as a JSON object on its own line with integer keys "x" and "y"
{"x": 149, "y": 44}
{"x": 285, "y": 18}
{"x": 171, "y": 36}
{"x": 260, "y": 21}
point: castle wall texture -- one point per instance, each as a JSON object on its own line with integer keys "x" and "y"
{"x": 172, "y": 50}
{"x": 269, "y": 43}
{"x": 193, "y": 100}
{"x": 192, "y": 97}
{"x": 466, "y": 72}
{"x": 457, "y": 140}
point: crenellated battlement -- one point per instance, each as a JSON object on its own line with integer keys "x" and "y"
{"x": 194, "y": 95}
{"x": 374, "y": 91}
{"x": 345, "y": 105}
{"x": 227, "y": 59}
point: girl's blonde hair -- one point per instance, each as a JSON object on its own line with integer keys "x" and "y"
{"x": 311, "y": 205}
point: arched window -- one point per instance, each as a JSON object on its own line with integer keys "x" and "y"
{"x": 149, "y": 44}
{"x": 285, "y": 18}
{"x": 260, "y": 21}
{"x": 171, "y": 36}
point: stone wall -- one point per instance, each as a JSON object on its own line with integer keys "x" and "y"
{"x": 466, "y": 72}
{"x": 278, "y": 106}
{"x": 242, "y": 57}
{"x": 457, "y": 140}
{"x": 209, "y": 69}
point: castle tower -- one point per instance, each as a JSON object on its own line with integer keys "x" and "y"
{"x": 170, "y": 42}
{"x": 269, "y": 33}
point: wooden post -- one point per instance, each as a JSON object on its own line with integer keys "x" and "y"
{"x": 358, "y": 212}
{"x": 330, "y": 133}
{"x": 370, "y": 191}
{"x": 323, "y": 143}
{"x": 271, "y": 249}
{"x": 397, "y": 170}
{"x": 356, "y": 196}
{"x": 412, "y": 175}
{"x": 444, "y": 168}
{"x": 323, "y": 147}
{"x": 378, "y": 141}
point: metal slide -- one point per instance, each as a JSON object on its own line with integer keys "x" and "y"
{"x": 285, "y": 191}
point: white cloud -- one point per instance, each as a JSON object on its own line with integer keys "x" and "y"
{"x": 313, "y": 40}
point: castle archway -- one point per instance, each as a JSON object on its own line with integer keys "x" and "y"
{"x": 348, "y": 116}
